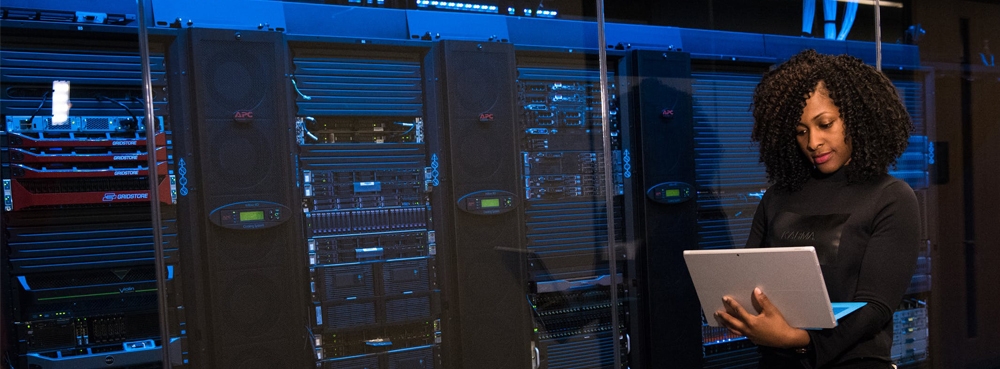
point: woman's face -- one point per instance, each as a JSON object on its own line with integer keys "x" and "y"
{"x": 820, "y": 133}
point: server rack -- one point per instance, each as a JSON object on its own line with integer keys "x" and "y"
{"x": 730, "y": 182}
{"x": 911, "y": 321}
{"x": 78, "y": 256}
{"x": 565, "y": 210}
{"x": 366, "y": 183}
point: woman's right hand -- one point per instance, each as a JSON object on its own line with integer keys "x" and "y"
{"x": 767, "y": 328}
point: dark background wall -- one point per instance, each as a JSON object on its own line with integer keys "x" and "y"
{"x": 968, "y": 118}
{"x": 777, "y": 17}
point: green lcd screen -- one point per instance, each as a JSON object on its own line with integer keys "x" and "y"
{"x": 490, "y": 203}
{"x": 673, "y": 193}
{"x": 249, "y": 216}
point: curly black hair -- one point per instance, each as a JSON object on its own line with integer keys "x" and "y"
{"x": 875, "y": 119}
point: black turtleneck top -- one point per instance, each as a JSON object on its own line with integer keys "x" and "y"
{"x": 867, "y": 239}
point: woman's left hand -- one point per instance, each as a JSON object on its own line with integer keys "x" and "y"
{"x": 767, "y": 328}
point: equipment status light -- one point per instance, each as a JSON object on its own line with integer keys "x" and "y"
{"x": 670, "y": 192}
{"x": 250, "y": 216}
{"x": 488, "y": 202}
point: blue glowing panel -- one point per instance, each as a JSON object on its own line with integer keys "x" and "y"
{"x": 457, "y": 26}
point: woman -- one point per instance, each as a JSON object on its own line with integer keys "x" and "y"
{"x": 828, "y": 128}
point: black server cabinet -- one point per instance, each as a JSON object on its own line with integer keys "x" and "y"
{"x": 238, "y": 226}
{"x": 659, "y": 130}
{"x": 477, "y": 206}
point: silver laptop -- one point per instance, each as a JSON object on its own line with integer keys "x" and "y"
{"x": 790, "y": 277}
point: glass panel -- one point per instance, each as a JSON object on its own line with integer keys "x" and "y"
{"x": 83, "y": 187}
{"x": 689, "y": 125}
{"x": 445, "y": 192}
{"x": 430, "y": 184}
